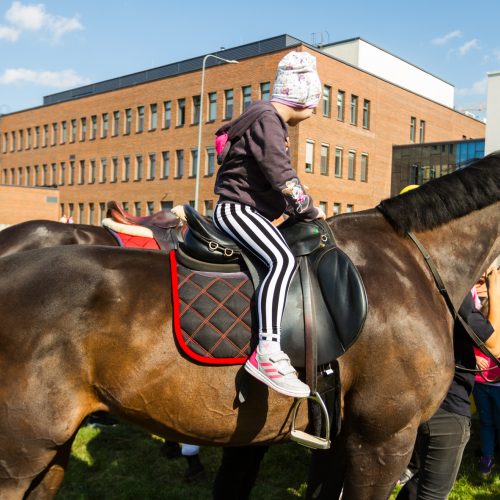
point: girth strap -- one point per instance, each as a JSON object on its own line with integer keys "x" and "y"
{"x": 442, "y": 289}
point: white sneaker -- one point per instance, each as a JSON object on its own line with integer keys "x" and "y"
{"x": 274, "y": 369}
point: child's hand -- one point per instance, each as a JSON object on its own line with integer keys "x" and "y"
{"x": 321, "y": 214}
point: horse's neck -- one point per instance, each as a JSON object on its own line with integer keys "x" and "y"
{"x": 463, "y": 248}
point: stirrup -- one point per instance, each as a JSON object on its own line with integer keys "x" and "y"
{"x": 310, "y": 440}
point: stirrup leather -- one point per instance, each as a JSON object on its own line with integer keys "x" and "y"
{"x": 310, "y": 440}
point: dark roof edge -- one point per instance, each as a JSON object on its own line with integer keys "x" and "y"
{"x": 252, "y": 49}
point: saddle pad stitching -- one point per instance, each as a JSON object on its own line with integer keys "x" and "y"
{"x": 177, "y": 324}
{"x": 206, "y": 320}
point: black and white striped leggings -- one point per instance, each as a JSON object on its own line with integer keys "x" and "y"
{"x": 258, "y": 235}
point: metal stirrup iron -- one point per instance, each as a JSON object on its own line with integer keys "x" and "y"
{"x": 310, "y": 440}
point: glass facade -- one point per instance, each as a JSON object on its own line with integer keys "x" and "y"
{"x": 419, "y": 163}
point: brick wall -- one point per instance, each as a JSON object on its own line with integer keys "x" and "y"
{"x": 19, "y": 204}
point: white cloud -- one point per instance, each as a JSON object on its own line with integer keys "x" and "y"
{"x": 478, "y": 88}
{"x": 57, "y": 79}
{"x": 8, "y": 33}
{"x": 446, "y": 38}
{"x": 34, "y": 17}
{"x": 468, "y": 46}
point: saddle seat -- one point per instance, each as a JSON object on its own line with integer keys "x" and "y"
{"x": 164, "y": 219}
{"x": 204, "y": 242}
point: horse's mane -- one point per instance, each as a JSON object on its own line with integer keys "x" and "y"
{"x": 445, "y": 198}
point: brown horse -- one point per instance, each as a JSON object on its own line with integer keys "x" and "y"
{"x": 89, "y": 328}
{"x": 44, "y": 233}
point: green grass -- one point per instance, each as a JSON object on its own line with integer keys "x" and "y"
{"x": 123, "y": 462}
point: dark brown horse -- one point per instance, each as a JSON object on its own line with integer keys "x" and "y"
{"x": 44, "y": 233}
{"x": 89, "y": 328}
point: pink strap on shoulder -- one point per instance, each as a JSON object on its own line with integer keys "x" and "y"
{"x": 220, "y": 142}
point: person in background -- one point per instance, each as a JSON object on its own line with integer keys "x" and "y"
{"x": 256, "y": 184}
{"x": 195, "y": 470}
{"x": 441, "y": 441}
{"x": 487, "y": 399}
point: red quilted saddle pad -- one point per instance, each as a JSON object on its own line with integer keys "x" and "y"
{"x": 212, "y": 314}
{"x": 130, "y": 241}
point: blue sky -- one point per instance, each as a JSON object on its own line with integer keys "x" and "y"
{"x": 53, "y": 45}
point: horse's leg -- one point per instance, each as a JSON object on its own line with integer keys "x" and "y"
{"x": 326, "y": 472}
{"x": 237, "y": 472}
{"x": 372, "y": 469}
{"x": 46, "y": 485}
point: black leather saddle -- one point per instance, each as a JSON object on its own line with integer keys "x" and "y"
{"x": 328, "y": 284}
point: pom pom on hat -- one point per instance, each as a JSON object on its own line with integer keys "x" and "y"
{"x": 297, "y": 83}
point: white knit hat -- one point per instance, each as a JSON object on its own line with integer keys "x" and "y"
{"x": 297, "y": 83}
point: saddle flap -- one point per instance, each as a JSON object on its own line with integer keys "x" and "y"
{"x": 344, "y": 293}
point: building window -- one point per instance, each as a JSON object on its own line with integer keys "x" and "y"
{"x": 354, "y": 110}
{"x": 196, "y": 109}
{"x": 114, "y": 169}
{"x": 140, "y": 119}
{"x": 151, "y": 207}
{"x": 209, "y": 208}
{"x": 62, "y": 178}
{"x": 71, "y": 173}
{"x": 246, "y": 97}
{"x": 179, "y": 154}
{"x": 92, "y": 172}
{"x": 138, "y": 167}
{"x": 102, "y": 210}
{"x": 336, "y": 208}
{"x": 104, "y": 168}
{"x": 265, "y": 91}
{"x": 351, "y": 166}
{"x": 128, "y": 121}
{"x": 91, "y": 213}
{"x": 363, "y": 176}
{"x": 81, "y": 178}
{"x": 126, "y": 169}
{"x": 54, "y": 134}
{"x": 21, "y": 140}
{"x": 152, "y": 166}
{"x": 422, "y": 131}
{"x": 413, "y": 125}
{"x": 210, "y": 161}
{"x": 194, "y": 162}
{"x": 20, "y": 176}
{"x": 80, "y": 213}
{"x": 104, "y": 125}
{"x": 53, "y": 174}
{"x": 93, "y": 127}
{"x": 309, "y": 156}
{"x": 125, "y": 205}
{"x": 366, "y": 114}
{"x": 212, "y": 106}
{"x": 324, "y": 206}
{"x": 340, "y": 105}
{"x": 338, "y": 162}
{"x": 181, "y": 112}
{"x": 71, "y": 209}
{"x": 116, "y": 123}
{"x": 45, "y": 136}
{"x": 228, "y": 104}
{"x": 137, "y": 208}
{"x": 325, "y": 155}
{"x": 36, "y": 179}
{"x": 349, "y": 208}
{"x": 167, "y": 114}
{"x": 13, "y": 141}
{"x": 165, "y": 164}
{"x": 64, "y": 132}
{"x": 5, "y": 142}
{"x": 13, "y": 175}
{"x": 37, "y": 137}
{"x": 28, "y": 138}
{"x": 327, "y": 101}
{"x": 166, "y": 205}
{"x": 83, "y": 124}
{"x": 153, "y": 116}
{"x": 28, "y": 176}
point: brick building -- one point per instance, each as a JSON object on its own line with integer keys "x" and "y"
{"x": 134, "y": 138}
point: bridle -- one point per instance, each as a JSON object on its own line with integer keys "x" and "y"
{"x": 456, "y": 316}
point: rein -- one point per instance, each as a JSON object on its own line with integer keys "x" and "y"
{"x": 442, "y": 289}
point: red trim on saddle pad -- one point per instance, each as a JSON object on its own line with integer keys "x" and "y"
{"x": 176, "y": 315}
{"x": 132, "y": 241}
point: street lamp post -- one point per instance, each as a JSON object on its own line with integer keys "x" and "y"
{"x": 200, "y": 122}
